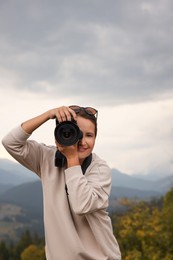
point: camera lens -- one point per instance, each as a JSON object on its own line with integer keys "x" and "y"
{"x": 67, "y": 133}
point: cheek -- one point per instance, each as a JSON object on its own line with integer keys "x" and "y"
{"x": 92, "y": 142}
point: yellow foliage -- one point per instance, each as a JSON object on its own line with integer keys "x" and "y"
{"x": 145, "y": 230}
{"x": 33, "y": 252}
{"x": 133, "y": 255}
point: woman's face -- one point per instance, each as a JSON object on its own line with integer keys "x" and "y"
{"x": 86, "y": 144}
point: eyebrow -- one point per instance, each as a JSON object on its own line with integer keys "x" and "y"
{"x": 90, "y": 132}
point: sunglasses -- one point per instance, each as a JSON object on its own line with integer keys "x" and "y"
{"x": 88, "y": 110}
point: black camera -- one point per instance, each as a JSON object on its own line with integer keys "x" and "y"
{"x": 67, "y": 133}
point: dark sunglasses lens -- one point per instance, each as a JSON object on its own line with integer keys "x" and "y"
{"x": 75, "y": 108}
{"x": 91, "y": 111}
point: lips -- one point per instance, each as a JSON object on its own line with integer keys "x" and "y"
{"x": 81, "y": 149}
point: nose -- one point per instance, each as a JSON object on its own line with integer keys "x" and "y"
{"x": 82, "y": 141}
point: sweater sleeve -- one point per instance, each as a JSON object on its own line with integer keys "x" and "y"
{"x": 27, "y": 153}
{"x": 88, "y": 193}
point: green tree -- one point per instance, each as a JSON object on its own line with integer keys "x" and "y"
{"x": 166, "y": 220}
{"x": 4, "y": 253}
{"x": 24, "y": 241}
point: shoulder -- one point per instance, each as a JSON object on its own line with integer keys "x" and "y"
{"x": 100, "y": 163}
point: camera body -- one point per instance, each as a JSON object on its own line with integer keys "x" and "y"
{"x": 67, "y": 133}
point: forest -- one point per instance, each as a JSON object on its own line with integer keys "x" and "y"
{"x": 144, "y": 232}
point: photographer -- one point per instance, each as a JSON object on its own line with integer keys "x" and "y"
{"x": 76, "y": 184}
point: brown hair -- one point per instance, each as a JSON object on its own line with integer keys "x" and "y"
{"x": 92, "y": 118}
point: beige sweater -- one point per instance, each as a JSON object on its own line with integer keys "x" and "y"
{"x": 77, "y": 225}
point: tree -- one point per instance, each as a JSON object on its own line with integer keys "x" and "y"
{"x": 167, "y": 222}
{"x": 33, "y": 252}
{"x": 25, "y": 241}
{"x": 145, "y": 230}
{"x": 4, "y": 254}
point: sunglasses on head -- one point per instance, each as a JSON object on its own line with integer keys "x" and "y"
{"x": 88, "y": 110}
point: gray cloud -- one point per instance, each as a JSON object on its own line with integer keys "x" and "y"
{"x": 115, "y": 51}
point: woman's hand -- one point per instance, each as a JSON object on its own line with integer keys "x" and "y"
{"x": 62, "y": 113}
{"x": 71, "y": 154}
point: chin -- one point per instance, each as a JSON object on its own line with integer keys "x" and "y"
{"x": 82, "y": 158}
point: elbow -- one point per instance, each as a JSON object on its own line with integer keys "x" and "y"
{"x": 9, "y": 144}
{"x": 81, "y": 207}
{"x": 88, "y": 206}
{"x": 4, "y": 142}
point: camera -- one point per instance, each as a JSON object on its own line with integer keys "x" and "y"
{"x": 67, "y": 133}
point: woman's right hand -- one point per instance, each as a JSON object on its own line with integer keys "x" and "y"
{"x": 62, "y": 113}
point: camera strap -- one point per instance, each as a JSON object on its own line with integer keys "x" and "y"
{"x": 86, "y": 163}
{"x": 60, "y": 161}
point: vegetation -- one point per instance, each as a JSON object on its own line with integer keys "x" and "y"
{"x": 27, "y": 248}
{"x": 144, "y": 232}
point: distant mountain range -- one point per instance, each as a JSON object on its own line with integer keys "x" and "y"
{"x": 21, "y": 201}
{"x": 13, "y": 174}
{"x": 160, "y": 185}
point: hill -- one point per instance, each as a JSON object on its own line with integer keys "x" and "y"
{"x": 138, "y": 183}
{"x": 21, "y": 201}
{"x": 21, "y": 205}
{"x": 121, "y": 192}
{"x": 12, "y": 173}
{"x": 5, "y": 187}
{"x": 21, "y": 208}
{"x": 27, "y": 196}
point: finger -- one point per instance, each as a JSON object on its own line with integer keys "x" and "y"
{"x": 58, "y": 116}
{"x": 73, "y": 114}
{"x": 61, "y": 114}
{"x": 67, "y": 114}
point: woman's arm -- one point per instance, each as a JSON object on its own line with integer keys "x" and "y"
{"x": 61, "y": 113}
{"x": 90, "y": 192}
{"x": 25, "y": 151}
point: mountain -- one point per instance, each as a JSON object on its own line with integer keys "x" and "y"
{"x": 129, "y": 181}
{"x": 121, "y": 192}
{"x": 21, "y": 209}
{"x": 27, "y": 195}
{"x": 21, "y": 200}
{"x": 164, "y": 184}
{"x": 125, "y": 180}
{"x": 157, "y": 173}
{"x": 4, "y": 187}
{"x": 12, "y": 173}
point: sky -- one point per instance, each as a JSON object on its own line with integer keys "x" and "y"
{"x": 116, "y": 56}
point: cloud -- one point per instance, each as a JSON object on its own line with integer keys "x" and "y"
{"x": 137, "y": 137}
{"x": 115, "y": 56}
{"x": 118, "y": 52}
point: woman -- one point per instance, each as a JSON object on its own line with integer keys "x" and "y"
{"x": 75, "y": 194}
